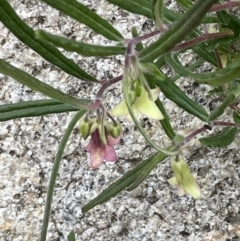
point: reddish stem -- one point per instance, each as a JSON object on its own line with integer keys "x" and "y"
{"x": 202, "y": 38}
{"x": 227, "y": 5}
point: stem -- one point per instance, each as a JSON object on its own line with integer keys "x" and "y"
{"x": 223, "y": 123}
{"x": 220, "y": 66}
{"x": 204, "y": 128}
{"x": 145, "y": 36}
{"x": 106, "y": 84}
{"x": 224, "y": 6}
{"x": 193, "y": 134}
{"x": 202, "y": 38}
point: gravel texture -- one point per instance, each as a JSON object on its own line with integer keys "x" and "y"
{"x": 151, "y": 212}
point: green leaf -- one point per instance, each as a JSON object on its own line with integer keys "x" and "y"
{"x": 230, "y": 21}
{"x": 71, "y": 236}
{"x": 79, "y": 47}
{"x": 175, "y": 94}
{"x": 33, "y": 108}
{"x": 141, "y": 7}
{"x": 125, "y": 181}
{"x": 157, "y": 9}
{"x": 166, "y": 125}
{"x": 185, "y": 4}
{"x": 26, "y": 34}
{"x": 217, "y": 78}
{"x": 146, "y": 170}
{"x": 221, "y": 108}
{"x": 236, "y": 117}
{"x": 34, "y": 84}
{"x": 84, "y": 15}
{"x": 225, "y": 138}
{"x": 177, "y": 32}
{"x": 54, "y": 174}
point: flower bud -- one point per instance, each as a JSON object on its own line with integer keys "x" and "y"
{"x": 94, "y": 125}
{"x": 184, "y": 179}
{"x": 84, "y": 127}
{"x": 102, "y": 133}
{"x": 115, "y": 130}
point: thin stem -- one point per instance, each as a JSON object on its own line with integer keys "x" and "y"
{"x": 223, "y": 123}
{"x": 227, "y": 5}
{"x": 145, "y": 36}
{"x": 202, "y": 38}
{"x": 106, "y": 84}
{"x": 220, "y": 66}
{"x": 204, "y": 128}
{"x": 193, "y": 134}
{"x": 235, "y": 107}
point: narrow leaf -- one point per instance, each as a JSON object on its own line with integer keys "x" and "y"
{"x": 236, "y": 117}
{"x": 157, "y": 9}
{"x": 146, "y": 170}
{"x": 166, "y": 125}
{"x": 34, "y": 84}
{"x": 26, "y": 34}
{"x": 175, "y": 94}
{"x": 84, "y": 15}
{"x": 79, "y": 47}
{"x": 221, "y": 108}
{"x": 54, "y": 174}
{"x": 125, "y": 181}
{"x": 177, "y": 32}
{"x": 225, "y": 138}
{"x": 216, "y": 78}
{"x": 185, "y": 4}
{"x": 141, "y": 7}
{"x": 71, "y": 236}
{"x": 33, "y": 108}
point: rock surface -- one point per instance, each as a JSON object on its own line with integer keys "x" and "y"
{"x": 28, "y": 146}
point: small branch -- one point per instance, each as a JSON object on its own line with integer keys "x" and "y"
{"x": 193, "y": 134}
{"x": 223, "y": 123}
{"x": 220, "y": 66}
{"x": 235, "y": 107}
{"x": 202, "y": 38}
{"x": 145, "y": 36}
{"x": 106, "y": 84}
{"x": 227, "y": 5}
{"x": 204, "y": 128}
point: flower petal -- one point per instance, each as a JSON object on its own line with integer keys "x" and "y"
{"x": 120, "y": 109}
{"x": 97, "y": 156}
{"x": 191, "y": 187}
{"x": 136, "y": 113}
{"x": 155, "y": 93}
{"x": 181, "y": 191}
{"x": 148, "y": 107}
{"x": 113, "y": 141}
{"x": 172, "y": 181}
{"x": 110, "y": 154}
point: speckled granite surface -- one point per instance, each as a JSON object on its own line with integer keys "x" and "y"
{"x": 151, "y": 212}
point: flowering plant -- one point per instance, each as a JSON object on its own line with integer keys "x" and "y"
{"x": 143, "y": 79}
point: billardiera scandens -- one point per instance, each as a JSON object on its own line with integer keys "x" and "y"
{"x": 184, "y": 179}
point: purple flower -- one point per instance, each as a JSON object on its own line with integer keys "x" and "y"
{"x": 100, "y": 151}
